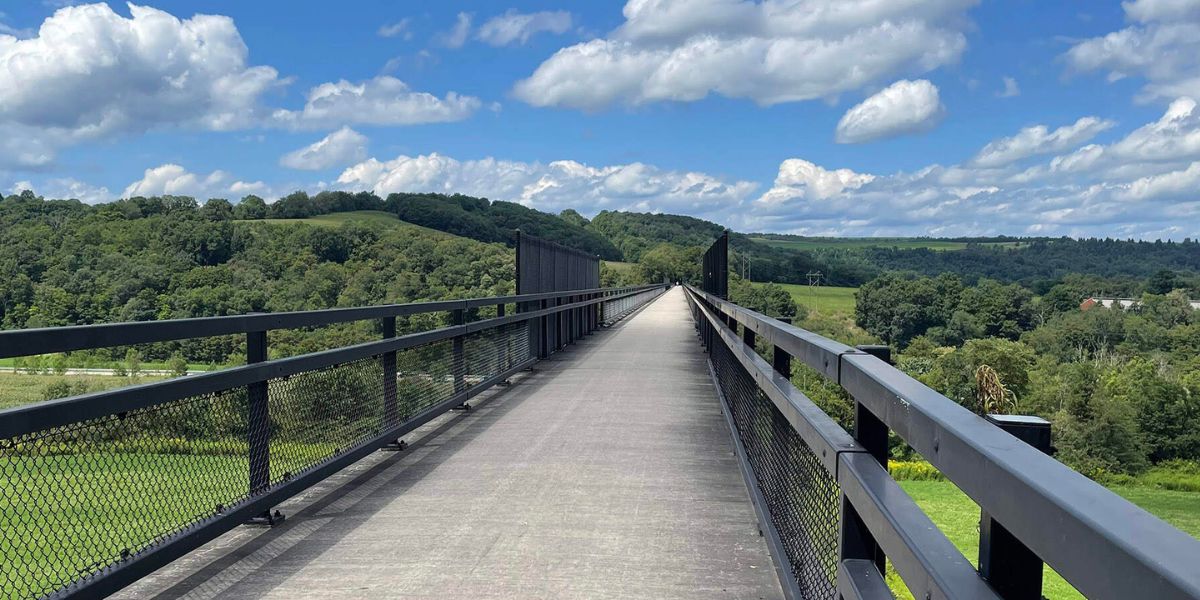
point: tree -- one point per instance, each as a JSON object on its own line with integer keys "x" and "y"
{"x": 250, "y": 208}
{"x": 178, "y": 365}
{"x": 1162, "y": 282}
{"x": 133, "y": 362}
{"x": 217, "y": 209}
{"x": 573, "y": 217}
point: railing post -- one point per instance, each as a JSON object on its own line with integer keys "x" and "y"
{"x": 543, "y": 333}
{"x": 458, "y": 362}
{"x": 782, "y": 362}
{"x": 871, "y": 433}
{"x": 259, "y": 428}
{"x": 391, "y": 407}
{"x": 1012, "y": 569}
{"x": 748, "y": 336}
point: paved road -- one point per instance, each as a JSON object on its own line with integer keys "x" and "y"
{"x": 608, "y": 472}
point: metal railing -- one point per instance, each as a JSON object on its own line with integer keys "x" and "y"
{"x": 98, "y": 490}
{"x": 833, "y": 515}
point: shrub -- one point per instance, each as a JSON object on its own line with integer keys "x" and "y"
{"x": 917, "y": 470}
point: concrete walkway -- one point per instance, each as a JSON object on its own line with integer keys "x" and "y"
{"x": 608, "y": 472}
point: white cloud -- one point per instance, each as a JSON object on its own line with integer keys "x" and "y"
{"x": 397, "y": 29}
{"x": 769, "y": 52}
{"x": 512, "y": 26}
{"x": 1162, "y": 47}
{"x": 90, "y": 72}
{"x": 339, "y": 148}
{"x": 800, "y": 179}
{"x": 1161, "y": 10}
{"x": 1038, "y": 139}
{"x": 66, "y": 188}
{"x": 1145, "y": 185}
{"x": 383, "y": 100}
{"x": 1011, "y": 89}
{"x": 174, "y": 180}
{"x": 900, "y": 108}
{"x": 457, "y": 35}
{"x": 554, "y": 186}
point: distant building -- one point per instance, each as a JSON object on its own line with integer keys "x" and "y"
{"x": 1109, "y": 302}
{"x": 1123, "y": 303}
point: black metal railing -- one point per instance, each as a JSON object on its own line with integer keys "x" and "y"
{"x": 98, "y": 490}
{"x": 833, "y": 515}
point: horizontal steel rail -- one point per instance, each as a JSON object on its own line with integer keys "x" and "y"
{"x": 1102, "y": 544}
{"x": 54, "y": 413}
{"x": 925, "y": 559}
{"x": 46, "y": 340}
{"x": 26, "y": 424}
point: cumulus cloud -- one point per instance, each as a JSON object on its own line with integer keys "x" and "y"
{"x": 552, "y": 186}
{"x": 172, "y": 179}
{"x": 1162, "y": 47}
{"x": 802, "y": 180}
{"x": 900, "y": 108}
{"x": 769, "y": 52}
{"x": 1143, "y": 185}
{"x": 339, "y": 148}
{"x": 90, "y": 72}
{"x": 65, "y": 188}
{"x": 457, "y": 35}
{"x": 383, "y": 100}
{"x": 513, "y": 27}
{"x": 1039, "y": 139}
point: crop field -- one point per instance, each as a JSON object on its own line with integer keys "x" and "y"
{"x": 826, "y": 243}
{"x": 825, "y": 299}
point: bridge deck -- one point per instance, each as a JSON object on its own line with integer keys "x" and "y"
{"x": 608, "y": 472}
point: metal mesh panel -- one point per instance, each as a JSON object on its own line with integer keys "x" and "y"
{"x": 78, "y": 500}
{"x": 803, "y": 499}
{"x": 615, "y": 310}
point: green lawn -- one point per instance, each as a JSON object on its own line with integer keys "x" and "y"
{"x": 958, "y": 517}
{"x": 825, "y": 298}
{"x": 823, "y": 243}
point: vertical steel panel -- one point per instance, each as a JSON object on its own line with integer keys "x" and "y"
{"x": 544, "y": 266}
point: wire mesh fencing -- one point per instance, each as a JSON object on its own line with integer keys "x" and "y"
{"x": 81, "y": 500}
{"x": 618, "y": 308}
{"x": 801, "y": 497}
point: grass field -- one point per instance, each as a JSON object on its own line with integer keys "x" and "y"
{"x": 19, "y": 388}
{"x": 362, "y": 217}
{"x": 621, "y": 267}
{"x": 822, "y": 243}
{"x": 825, "y": 299}
{"x": 958, "y": 517}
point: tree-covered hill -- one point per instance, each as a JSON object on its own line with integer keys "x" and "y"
{"x": 64, "y": 262}
{"x": 638, "y": 233}
{"x": 483, "y": 220}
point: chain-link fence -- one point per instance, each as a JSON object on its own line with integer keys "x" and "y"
{"x": 80, "y": 500}
{"x": 801, "y": 497}
{"x": 618, "y": 308}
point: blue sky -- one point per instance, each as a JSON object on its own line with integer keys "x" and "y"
{"x": 853, "y": 117}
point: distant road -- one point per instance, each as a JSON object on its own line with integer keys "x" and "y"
{"x": 101, "y": 372}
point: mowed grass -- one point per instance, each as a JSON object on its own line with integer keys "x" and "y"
{"x": 64, "y": 516}
{"x": 826, "y": 299}
{"x": 826, "y": 243}
{"x": 958, "y": 517}
{"x": 621, "y": 267}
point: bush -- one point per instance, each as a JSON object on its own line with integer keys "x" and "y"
{"x": 1179, "y": 475}
{"x": 917, "y": 470}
